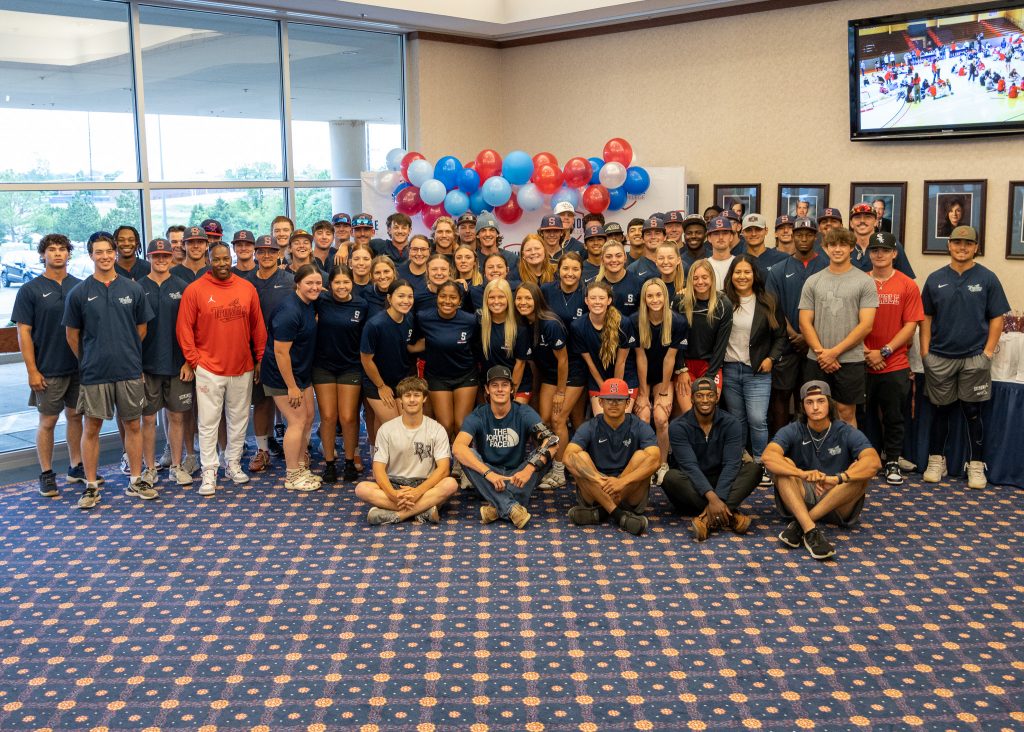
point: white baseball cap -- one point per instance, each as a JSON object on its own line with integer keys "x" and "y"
{"x": 564, "y": 207}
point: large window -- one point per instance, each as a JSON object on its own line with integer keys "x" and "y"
{"x": 234, "y": 208}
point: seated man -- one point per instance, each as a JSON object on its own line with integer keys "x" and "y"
{"x": 491, "y": 447}
{"x": 410, "y": 463}
{"x": 708, "y": 478}
{"x": 612, "y": 458}
{"x": 822, "y": 467}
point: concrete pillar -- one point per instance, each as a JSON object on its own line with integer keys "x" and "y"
{"x": 348, "y": 160}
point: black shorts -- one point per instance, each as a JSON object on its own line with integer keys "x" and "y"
{"x": 346, "y": 378}
{"x": 451, "y": 383}
{"x": 786, "y": 371}
{"x": 847, "y": 383}
{"x": 578, "y": 379}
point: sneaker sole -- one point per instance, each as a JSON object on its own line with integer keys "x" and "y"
{"x": 897, "y": 481}
{"x": 820, "y": 557}
{"x": 206, "y": 494}
{"x": 784, "y": 540}
{"x": 133, "y": 494}
{"x": 49, "y": 494}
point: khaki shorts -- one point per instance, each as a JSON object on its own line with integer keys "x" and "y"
{"x": 61, "y": 393}
{"x": 100, "y": 400}
{"x": 167, "y": 391}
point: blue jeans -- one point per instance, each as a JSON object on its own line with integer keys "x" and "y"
{"x": 746, "y": 396}
{"x": 504, "y": 500}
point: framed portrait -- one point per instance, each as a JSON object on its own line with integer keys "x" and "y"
{"x": 889, "y": 201}
{"x": 1015, "y": 223}
{"x": 742, "y": 198}
{"x": 948, "y": 204}
{"x": 802, "y": 199}
{"x": 692, "y": 198}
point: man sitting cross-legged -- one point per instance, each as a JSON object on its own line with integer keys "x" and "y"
{"x": 411, "y": 462}
{"x": 612, "y": 458}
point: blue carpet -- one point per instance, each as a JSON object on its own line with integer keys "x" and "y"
{"x": 261, "y": 609}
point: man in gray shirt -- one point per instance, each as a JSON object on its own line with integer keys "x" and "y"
{"x": 837, "y": 310}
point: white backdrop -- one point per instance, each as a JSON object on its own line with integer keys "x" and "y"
{"x": 666, "y": 193}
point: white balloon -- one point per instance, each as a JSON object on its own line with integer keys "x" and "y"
{"x": 530, "y": 198}
{"x": 394, "y": 159}
{"x": 420, "y": 171}
{"x": 612, "y": 175}
{"x": 387, "y": 182}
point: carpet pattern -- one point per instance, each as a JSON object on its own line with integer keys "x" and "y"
{"x": 260, "y": 609}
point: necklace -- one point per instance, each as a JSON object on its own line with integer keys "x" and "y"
{"x": 818, "y": 442}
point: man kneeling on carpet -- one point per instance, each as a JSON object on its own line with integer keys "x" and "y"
{"x": 708, "y": 478}
{"x": 411, "y": 461}
{"x": 491, "y": 447}
{"x": 822, "y": 467}
{"x": 612, "y": 458}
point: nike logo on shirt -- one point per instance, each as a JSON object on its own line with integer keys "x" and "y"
{"x": 790, "y": 275}
{"x": 47, "y": 294}
{"x": 806, "y": 442}
{"x": 945, "y": 285}
{"x": 604, "y": 440}
{"x": 93, "y": 298}
{"x": 278, "y": 287}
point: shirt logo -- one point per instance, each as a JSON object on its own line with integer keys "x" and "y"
{"x": 790, "y": 275}
{"x": 356, "y": 314}
{"x": 974, "y": 288}
{"x": 93, "y": 298}
{"x": 210, "y": 300}
{"x": 126, "y": 300}
{"x": 806, "y": 442}
{"x": 603, "y": 439}
{"x": 945, "y": 285}
{"x": 835, "y": 450}
{"x": 174, "y": 295}
{"x": 628, "y": 441}
{"x": 423, "y": 451}
{"x": 503, "y": 437}
{"x": 47, "y": 294}
{"x": 230, "y": 312}
{"x": 462, "y": 336}
{"x": 276, "y": 287}
{"x": 558, "y": 343}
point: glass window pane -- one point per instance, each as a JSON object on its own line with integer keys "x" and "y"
{"x": 346, "y": 100}
{"x": 314, "y": 204}
{"x": 67, "y": 94}
{"x": 213, "y": 96}
{"x": 234, "y": 208}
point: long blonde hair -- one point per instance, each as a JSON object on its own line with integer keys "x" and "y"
{"x": 548, "y": 269}
{"x": 678, "y": 277}
{"x": 612, "y": 320}
{"x": 689, "y": 297}
{"x": 644, "y": 319}
{"x": 511, "y": 328}
{"x": 600, "y": 270}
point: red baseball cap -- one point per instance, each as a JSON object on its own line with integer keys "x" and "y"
{"x": 613, "y": 389}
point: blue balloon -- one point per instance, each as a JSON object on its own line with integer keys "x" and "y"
{"x": 394, "y": 158}
{"x": 469, "y": 181}
{"x": 566, "y": 194}
{"x": 638, "y": 180}
{"x": 447, "y": 170}
{"x": 477, "y": 204}
{"x": 432, "y": 192}
{"x": 595, "y": 165}
{"x": 517, "y": 167}
{"x": 616, "y": 198}
{"x": 419, "y": 172}
{"x": 456, "y": 203}
{"x": 529, "y": 197}
{"x": 398, "y": 189}
{"x": 496, "y": 191}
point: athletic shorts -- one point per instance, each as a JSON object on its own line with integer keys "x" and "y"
{"x": 949, "y": 379}
{"x": 61, "y": 392}
{"x": 811, "y": 500}
{"x": 397, "y": 480}
{"x": 573, "y": 379}
{"x": 273, "y": 391}
{"x": 786, "y": 371}
{"x": 847, "y": 384}
{"x": 698, "y": 367}
{"x": 100, "y": 400}
{"x": 347, "y": 378}
{"x": 451, "y": 383}
{"x": 167, "y": 391}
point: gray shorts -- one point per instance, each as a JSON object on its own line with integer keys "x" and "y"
{"x": 811, "y": 500}
{"x": 61, "y": 392}
{"x": 949, "y": 379}
{"x": 99, "y": 400}
{"x": 167, "y": 391}
{"x": 397, "y": 480}
{"x": 273, "y": 391}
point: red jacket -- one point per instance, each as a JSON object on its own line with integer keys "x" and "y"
{"x": 220, "y": 325}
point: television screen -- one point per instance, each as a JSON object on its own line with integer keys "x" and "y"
{"x": 951, "y": 72}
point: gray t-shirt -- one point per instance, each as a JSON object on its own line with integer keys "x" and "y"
{"x": 836, "y": 300}
{"x": 411, "y": 453}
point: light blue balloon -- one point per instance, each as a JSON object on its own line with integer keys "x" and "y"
{"x": 566, "y": 194}
{"x": 420, "y": 171}
{"x": 496, "y": 191}
{"x": 638, "y": 180}
{"x": 595, "y": 165}
{"x": 616, "y": 198}
{"x": 517, "y": 167}
{"x": 477, "y": 204}
{"x": 530, "y": 198}
{"x": 447, "y": 171}
{"x": 456, "y": 203}
{"x": 394, "y": 158}
{"x": 432, "y": 192}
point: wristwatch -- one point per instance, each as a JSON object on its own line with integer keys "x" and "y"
{"x": 885, "y": 351}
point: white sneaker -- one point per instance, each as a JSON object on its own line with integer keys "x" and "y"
{"x": 125, "y": 466}
{"x": 976, "y": 479}
{"x": 209, "y": 485}
{"x": 659, "y": 474}
{"x": 165, "y": 458}
{"x": 905, "y": 465}
{"x": 180, "y": 476}
{"x": 150, "y": 476}
{"x": 235, "y": 474}
{"x": 190, "y": 464}
{"x": 936, "y": 469}
{"x": 554, "y": 479}
{"x": 303, "y": 482}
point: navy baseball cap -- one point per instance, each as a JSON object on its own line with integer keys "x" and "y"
{"x": 654, "y": 223}
{"x": 97, "y": 235}
{"x": 731, "y": 215}
{"x": 243, "y": 237}
{"x": 804, "y": 222}
{"x": 613, "y": 229}
{"x": 195, "y": 232}
{"x": 719, "y": 223}
{"x": 267, "y": 242}
{"x": 159, "y": 246}
{"x": 882, "y": 240}
{"x": 674, "y": 217}
{"x": 362, "y": 220}
{"x": 341, "y": 218}
{"x": 784, "y": 220}
{"x": 466, "y": 218}
{"x": 695, "y": 219}
{"x": 550, "y": 222}
{"x": 300, "y": 234}
{"x": 212, "y": 227}
{"x": 703, "y": 384}
{"x": 594, "y": 230}
{"x": 832, "y": 213}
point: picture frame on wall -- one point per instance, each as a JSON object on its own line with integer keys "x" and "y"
{"x": 743, "y": 198}
{"x": 948, "y": 204}
{"x": 1015, "y": 222}
{"x": 692, "y": 198}
{"x": 802, "y": 199}
{"x": 889, "y": 201}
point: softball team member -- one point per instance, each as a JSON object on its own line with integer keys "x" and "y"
{"x": 495, "y": 268}
{"x": 360, "y": 262}
{"x": 439, "y": 271}
{"x": 467, "y": 269}
{"x": 605, "y": 340}
{"x": 384, "y": 351}
{"x": 415, "y": 268}
{"x": 670, "y": 268}
{"x": 534, "y": 265}
{"x": 502, "y": 341}
{"x": 566, "y": 295}
{"x": 625, "y": 284}
{"x": 709, "y": 315}
{"x": 384, "y": 273}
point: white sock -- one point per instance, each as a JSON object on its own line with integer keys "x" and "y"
{"x": 557, "y": 467}
{"x": 135, "y": 479}
{"x": 261, "y": 443}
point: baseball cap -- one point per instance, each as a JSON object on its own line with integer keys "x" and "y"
{"x": 967, "y": 233}
{"x": 564, "y": 207}
{"x": 674, "y": 217}
{"x": 212, "y": 227}
{"x": 195, "y": 232}
{"x": 243, "y": 236}
{"x": 731, "y": 215}
{"x": 300, "y": 234}
{"x": 754, "y": 220}
{"x": 832, "y": 213}
{"x": 97, "y": 235}
{"x": 695, "y": 219}
{"x": 613, "y": 229}
{"x": 466, "y": 218}
{"x": 592, "y": 231}
{"x": 719, "y": 223}
{"x": 882, "y": 240}
{"x": 550, "y": 222}
{"x": 613, "y": 389}
{"x": 159, "y": 246}
{"x": 703, "y": 384}
{"x": 362, "y": 220}
{"x": 814, "y": 387}
{"x": 802, "y": 222}
{"x": 486, "y": 220}
{"x": 863, "y": 208}
{"x": 784, "y": 220}
{"x": 267, "y": 242}
{"x": 655, "y": 223}
{"x": 341, "y": 218}
{"x": 498, "y": 372}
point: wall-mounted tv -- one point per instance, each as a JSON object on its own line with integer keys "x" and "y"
{"x": 950, "y": 72}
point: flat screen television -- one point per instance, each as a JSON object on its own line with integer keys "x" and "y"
{"x": 950, "y": 72}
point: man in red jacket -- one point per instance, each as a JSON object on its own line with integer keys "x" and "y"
{"x": 220, "y": 328}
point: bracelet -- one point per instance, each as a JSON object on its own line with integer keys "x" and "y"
{"x": 489, "y": 471}
{"x": 845, "y": 477}
{"x": 663, "y": 395}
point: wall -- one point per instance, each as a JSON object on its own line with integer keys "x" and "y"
{"x": 752, "y": 98}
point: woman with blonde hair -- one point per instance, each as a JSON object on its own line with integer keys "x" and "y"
{"x": 534, "y": 264}
{"x": 606, "y": 342}
{"x": 708, "y": 312}
{"x": 670, "y": 268}
{"x": 502, "y": 341}
{"x": 382, "y": 272}
{"x": 625, "y": 284}
{"x": 467, "y": 269}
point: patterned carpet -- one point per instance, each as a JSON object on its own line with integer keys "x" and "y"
{"x": 260, "y": 609}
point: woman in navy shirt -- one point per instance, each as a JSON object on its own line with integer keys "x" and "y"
{"x": 605, "y": 340}
{"x": 439, "y": 271}
{"x": 384, "y": 351}
{"x": 467, "y": 267}
{"x": 566, "y": 297}
{"x": 383, "y": 273}
{"x": 625, "y": 284}
{"x": 287, "y": 373}
{"x": 670, "y": 267}
{"x": 534, "y": 265}
{"x": 502, "y": 341}
{"x": 360, "y": 260}
{"x": 337, "y": 373}
{"x": 495, "y": 268}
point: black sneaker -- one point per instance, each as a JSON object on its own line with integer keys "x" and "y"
{"x": 76, "y": 474}
{"x": 275, "y": 447}
{"x": 584, "y": 515}
{"x": 48, "y": 484}
{"x": 893, "y": 474}
{"x": 350, "y": 472}
{"x": 766, "y": 478}
{"x": 330, "y": 474}
{"x": 817, "y": 545}
{"x": 792, "y": 536}
{"x": 634, "y": 523}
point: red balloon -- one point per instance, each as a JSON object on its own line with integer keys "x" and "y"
{"x": 488, "y": 164}
{"x": 509, "y": 212}
{"x": 544, "y": 158}
{"x": 406, "y": 161}
{"x": 617, "y": 150}
{"x": 430, "y": 214}
{"x": 408, "y": 201}
{"x": 595, "y": 199}
{"x": 548, "y": 177}
{"x": 577, "y": 172}
{"x": 471, "y": 165}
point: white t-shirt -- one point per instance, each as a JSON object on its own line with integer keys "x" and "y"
{"x": 411, "y": 453}
{"x": 738, "y": 350}
{"x": 721, "y": 267}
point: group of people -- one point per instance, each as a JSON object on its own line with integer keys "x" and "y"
{"x": 674, "y": 352}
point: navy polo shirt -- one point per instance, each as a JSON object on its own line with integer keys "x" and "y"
{"x": 501, "y": 443}
{"x": 139, "y": 270}
{"x": 961, "y": 306}
{"x": 786, "y": 281}
{"x": 572, "y": 244}
{"x": 590, "y": 271}
{"x": 585, "y": 338}
{"x": 388, "y": 343}
{"x": 645, "y": 269}
{"x": 387, "y": 248}
{"x": 768, "y": 259}
{"x": 450, "y": 342}
{"x": 39, "y": 304}
{"x": 610, "y": 448}
{"x": 699, "y": 455}
{"x": 293, "y": 322}
{"x": 656, "y": 352}
{"x": 359, "y": 291}
{"x": 108, "y": 316}
{"x": 339, "y": 329}
{"x": 376, "y": 301}
{"x": 245, "y": 274}
{"x": 499, "y": 355}
{"x": 184, "y": 273}
{"x": 418, "y": 281}
{"x": 567, "y": 306}
{"x": 841, "y": 446}
{"x": 862, "y": 261}
{"x": 272, "y": 291}
{"x": 551, "y": 337}
{"x": 161, "y": 354}
{"x": 511, "y": 259}
{"x": 627, "y": 293}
